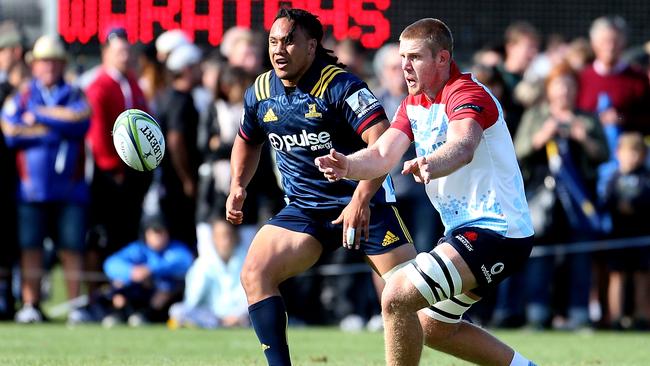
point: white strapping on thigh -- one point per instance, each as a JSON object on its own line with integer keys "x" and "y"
{"x": 388, "y": 274}
{"x": 437, "y": 278}
{"x": 416, "y": 279}
{"x": 455, "y": 276}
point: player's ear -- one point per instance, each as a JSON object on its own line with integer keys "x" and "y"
{"x": 443, "y": 57}
{"x": 311, "y": 46}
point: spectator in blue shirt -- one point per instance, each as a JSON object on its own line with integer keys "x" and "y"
{"x": 45, "y": 123}
{"x": 147, "y": 276}
{"x": 214, "y": 296}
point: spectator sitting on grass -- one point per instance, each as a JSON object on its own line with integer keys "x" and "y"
{"x": 146, "y": 276}
{"x": 214, "y": 296}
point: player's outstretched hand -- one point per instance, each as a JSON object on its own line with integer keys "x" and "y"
{"x": 234, "y": 203}
{"x": 419, "y": 167}
{"x": 333, "y": 165}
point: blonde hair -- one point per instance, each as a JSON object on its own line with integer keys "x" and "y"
{"x": 433, "y": 31}
{"x": 631, "y": 140}
{"x": 519, "y": 30}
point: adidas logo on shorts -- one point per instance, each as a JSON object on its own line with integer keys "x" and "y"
{"x": 389, "y": 239}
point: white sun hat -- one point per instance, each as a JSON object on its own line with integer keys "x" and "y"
{"x": 169, "y": 40}
{"x": 183, "y": 56}
{"x": 48, "y": 47}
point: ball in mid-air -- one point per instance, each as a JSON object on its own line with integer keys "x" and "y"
{"x": 138, "y": 139}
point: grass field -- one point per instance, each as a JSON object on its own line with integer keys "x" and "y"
{"x": 56, "y": 344}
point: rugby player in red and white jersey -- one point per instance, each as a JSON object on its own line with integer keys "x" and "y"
{"x": 466, "y": 160}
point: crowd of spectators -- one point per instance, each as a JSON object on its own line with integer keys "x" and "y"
{"x": 577, "y": 111}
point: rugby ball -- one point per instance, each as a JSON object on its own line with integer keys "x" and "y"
{"x": 138, "y": 139}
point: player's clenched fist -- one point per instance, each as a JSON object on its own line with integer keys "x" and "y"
{"x": 419, "y": 167}
{"x": 333, "y": 165}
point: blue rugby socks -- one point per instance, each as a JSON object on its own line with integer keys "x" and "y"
{"x": 519, "y": 360}
{"x": 269, "y": 319}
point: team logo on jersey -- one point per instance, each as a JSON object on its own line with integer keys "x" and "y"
{"x": 314, "y": 141}
{"x": 265, "y": 347}
{"x": 313, "y": 113}
{"x": 389, "y": 239}
{"x": 270, "y": 116}
{"x": 362, "y": 102}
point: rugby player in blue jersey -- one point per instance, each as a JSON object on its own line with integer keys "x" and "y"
{"x": 304, "y": 107}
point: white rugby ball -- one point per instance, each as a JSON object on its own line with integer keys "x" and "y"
{"x": 138, "y": 139}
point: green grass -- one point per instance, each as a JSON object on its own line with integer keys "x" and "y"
{"x": 55, "y": 344}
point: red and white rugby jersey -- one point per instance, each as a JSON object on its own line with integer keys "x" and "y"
{"x": 488, "y": 192}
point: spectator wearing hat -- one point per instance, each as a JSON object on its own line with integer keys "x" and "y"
{"x": 147, "y": 276}
{"x": 179, "y": 120}
{"x": 45, "y": 122}
{"x": 11, "y": 54}
{"x": 117, "y": 192}
{"x": 169, "y": 41}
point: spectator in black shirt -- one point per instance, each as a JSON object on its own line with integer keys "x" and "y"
{"x": 179, "y": 119}
{"x": 627, "y": 198}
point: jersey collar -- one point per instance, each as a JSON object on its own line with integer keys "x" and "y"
{"x": 306, "y": 82}
{"x": 454, "y": 73}
{"x": 311, "y": 77}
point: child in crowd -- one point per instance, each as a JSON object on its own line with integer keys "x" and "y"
{"x": 146, "y": 276}
{"x": 214, "y": 296}
{"x": 628, "y": 198}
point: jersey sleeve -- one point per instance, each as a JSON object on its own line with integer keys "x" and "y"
{"x": 471, "y": 100}
{"x": 249, "y": 128}
{"x": 401, "y": 121}
{"x": 358, "y": 104}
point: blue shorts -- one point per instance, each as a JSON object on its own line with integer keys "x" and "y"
{"x": 491, "y": 257}
{"x": 65, "y": 223}
{"x": 387, "y": 231}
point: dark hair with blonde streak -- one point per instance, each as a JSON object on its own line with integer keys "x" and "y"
{"x": 433, "y": 31}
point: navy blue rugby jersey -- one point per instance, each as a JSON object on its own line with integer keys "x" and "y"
{"x": 329, "y": 108}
